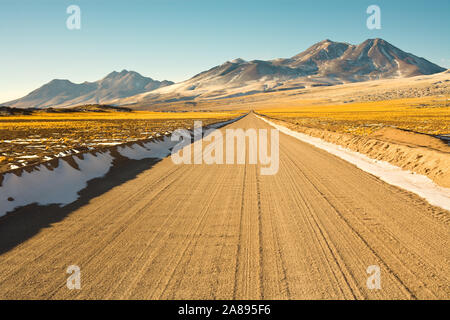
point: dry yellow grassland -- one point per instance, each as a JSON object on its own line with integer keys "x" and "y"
{"x": 30, "y": 139}
{"x": 430, "y": 115}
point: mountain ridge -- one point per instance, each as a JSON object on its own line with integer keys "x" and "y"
{"x": 322, "y": 64}
{"x": 63, "y": 92}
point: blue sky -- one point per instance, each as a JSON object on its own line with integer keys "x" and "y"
{"x": 176, "y": 39}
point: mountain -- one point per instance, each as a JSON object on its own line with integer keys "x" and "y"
{"x": 115, "y": 85}
{"x": 325, "y": 63}
{"x": 372, "y": 59}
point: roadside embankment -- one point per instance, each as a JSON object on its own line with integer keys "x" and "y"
{"x": 418, "y": 153}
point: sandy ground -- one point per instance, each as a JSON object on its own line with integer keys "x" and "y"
{"x": 226, "y": 232}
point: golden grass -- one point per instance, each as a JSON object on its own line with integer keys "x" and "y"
{"x": 428, "y": 115}
{"x": 95, "y": 121}
{"x": 135, "y": 115}
{"x": 47, "y": 134}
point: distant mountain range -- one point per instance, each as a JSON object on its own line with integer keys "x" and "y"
{"x": 325, "y": 63}
{"x": 115, "y": 85}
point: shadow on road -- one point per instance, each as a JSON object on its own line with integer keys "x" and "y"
{"x": 25, "y": 222}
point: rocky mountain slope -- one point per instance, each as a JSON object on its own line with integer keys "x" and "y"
{"x": 323, "y": 64}
{"x": 115, "y": 85}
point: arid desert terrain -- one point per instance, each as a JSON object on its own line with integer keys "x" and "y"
{"x": 152, "y": 229}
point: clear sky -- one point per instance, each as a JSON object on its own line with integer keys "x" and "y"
{"x": 176, "y": 39}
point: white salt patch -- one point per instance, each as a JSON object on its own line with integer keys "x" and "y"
{"x": 158, "y": 149}
{"x": 153, "y": 149}
{"x": 58, "y": 186}
{"x": 416, "y": 183}
{"x": 62, "y": 184}
{"x": 61, "y": 154}
{"x": 107, "y": 143}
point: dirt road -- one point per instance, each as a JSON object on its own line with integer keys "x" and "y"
{"x": 226, "y": 232}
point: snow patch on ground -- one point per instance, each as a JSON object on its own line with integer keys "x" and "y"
{"x": 159, "y": 149}
{"x": 58, "y": 186}
{"x": 410, "y": 181}
{"x": 153, "y": 149}
{"x": 62, "y": 184}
